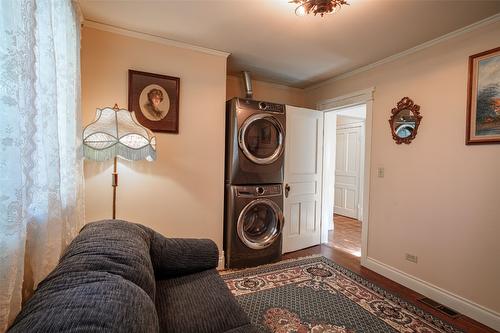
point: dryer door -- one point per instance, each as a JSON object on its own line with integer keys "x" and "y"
{"x": 261, "y": 138}
{"x": 260, "y": 223}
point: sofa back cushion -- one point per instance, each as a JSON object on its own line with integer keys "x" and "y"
{"x": 172, "y": 257}
{"x": 113, "y": 246}
{"x": 104, "y": 282}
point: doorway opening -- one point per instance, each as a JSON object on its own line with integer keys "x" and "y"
{"x": 310, "y": 166}
{"x": 346, "y": 180}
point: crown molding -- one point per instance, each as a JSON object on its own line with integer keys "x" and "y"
{"x": 152, "y": 38}
{"x": 474, "y": 26}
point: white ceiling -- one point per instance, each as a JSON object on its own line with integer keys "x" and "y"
{"x": 268, "y": 39}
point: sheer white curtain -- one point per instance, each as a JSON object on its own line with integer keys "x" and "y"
{"x": 41, "y": 173}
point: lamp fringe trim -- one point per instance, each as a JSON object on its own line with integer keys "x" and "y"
{"x": 143, "y": 153}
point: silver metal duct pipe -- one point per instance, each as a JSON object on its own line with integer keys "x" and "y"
{"x": 247, "y": 84}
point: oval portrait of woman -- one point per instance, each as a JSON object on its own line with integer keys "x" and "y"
{"x": 154, "y": 102}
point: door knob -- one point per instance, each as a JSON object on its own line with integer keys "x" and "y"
{"x": 287, "y": 189}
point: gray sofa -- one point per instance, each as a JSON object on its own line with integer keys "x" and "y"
{"x": 118, "y": 276}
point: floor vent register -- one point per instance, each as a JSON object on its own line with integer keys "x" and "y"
{"x": 440, "y": 307}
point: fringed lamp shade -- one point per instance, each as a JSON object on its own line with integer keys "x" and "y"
{"x": 116, "y": 132}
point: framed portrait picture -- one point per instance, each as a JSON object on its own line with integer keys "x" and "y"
{"x": 483, "y": 98}
{"x": 155, "y": 100}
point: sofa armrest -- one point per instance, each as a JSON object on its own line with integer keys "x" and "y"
{"x": 173, "y": 257}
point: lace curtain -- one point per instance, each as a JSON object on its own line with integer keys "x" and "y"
{"x": 41, "y": 172}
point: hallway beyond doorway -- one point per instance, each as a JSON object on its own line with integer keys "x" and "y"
{"x": 346, "y": 235}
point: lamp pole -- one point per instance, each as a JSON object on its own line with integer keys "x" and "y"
{"x": 114, "y": 183}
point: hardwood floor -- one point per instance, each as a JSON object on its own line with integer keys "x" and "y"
{"x": 346, "y": 235}
{"x": 353, "y": 263}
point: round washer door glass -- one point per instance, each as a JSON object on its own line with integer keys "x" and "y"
{"x": 260, "y": 223}
{"x": 261, "y": 138}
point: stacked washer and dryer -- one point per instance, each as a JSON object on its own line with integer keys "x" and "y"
{"x": 255, "y": 144}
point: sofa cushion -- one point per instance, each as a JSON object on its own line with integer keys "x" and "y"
{"x": 200, "y": 303}
{"x": 112, "y": 246}
{"x": 172, "y": 257}
{"x": 87, "y": 302}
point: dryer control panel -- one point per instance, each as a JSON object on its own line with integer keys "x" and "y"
{"x": 261, "y": 105}
{"x": 259, "y": 190}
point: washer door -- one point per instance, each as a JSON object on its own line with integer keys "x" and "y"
{"x": 261, "y": 138}
{"x": 260, "y": 223}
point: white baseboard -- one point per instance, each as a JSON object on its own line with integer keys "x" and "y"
{"x": 473, "y": 310}
{"x": 220, "y": 266}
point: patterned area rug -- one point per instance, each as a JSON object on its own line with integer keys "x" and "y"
{"x": 318, "y": 296}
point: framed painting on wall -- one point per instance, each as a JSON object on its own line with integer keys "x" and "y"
{"x": 483, "y": 98}
{"x": 155, "y": 100}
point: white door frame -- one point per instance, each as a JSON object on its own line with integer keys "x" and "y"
{"x": 332, "y": 105}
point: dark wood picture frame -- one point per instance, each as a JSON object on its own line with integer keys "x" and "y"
{"x": 492, "y": 118}
{"x": 146, "y": 97}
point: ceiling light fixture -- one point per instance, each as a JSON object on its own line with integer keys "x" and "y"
{"x": 320, "y": 7}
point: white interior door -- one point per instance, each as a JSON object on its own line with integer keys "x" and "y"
{"x": 347, "y": 175}
{"x": 303, "y": 163}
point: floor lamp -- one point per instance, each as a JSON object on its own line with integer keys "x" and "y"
{"x": 116, "y": 132}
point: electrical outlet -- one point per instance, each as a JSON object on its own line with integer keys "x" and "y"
{"x": 380, "y": 172}
{"x": 411, "y": 257}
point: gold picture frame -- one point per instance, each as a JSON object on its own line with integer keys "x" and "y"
{"x": 483, "y": 98}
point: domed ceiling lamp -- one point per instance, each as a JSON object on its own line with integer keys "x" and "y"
{"x": 320, "y": 7}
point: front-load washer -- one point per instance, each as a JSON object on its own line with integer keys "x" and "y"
{"x": 255, "y": 142}
{"x": 253, "y": 225}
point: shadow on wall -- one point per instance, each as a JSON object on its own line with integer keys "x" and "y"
{"x": 136, "y": 171}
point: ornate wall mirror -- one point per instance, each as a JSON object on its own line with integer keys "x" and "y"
{"x": 404, "y": 121}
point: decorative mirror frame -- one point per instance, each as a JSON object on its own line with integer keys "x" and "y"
{"x": 405, "y": 104}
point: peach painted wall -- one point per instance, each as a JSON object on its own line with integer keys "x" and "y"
{"x": 265, "y": 91}
{"x": 439, "y": 198}
{"x": 181, "y": 193}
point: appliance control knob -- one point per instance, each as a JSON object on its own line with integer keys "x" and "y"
{"x": 262, "y": 105}
{"x": 260, "y": 190}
